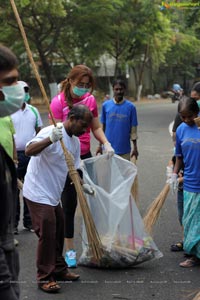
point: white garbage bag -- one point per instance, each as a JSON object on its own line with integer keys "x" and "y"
{"x": 115, "y": 214}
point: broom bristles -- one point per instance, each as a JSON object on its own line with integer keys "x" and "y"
{"x": 155, "y": 208}
{"x": 197, "y": 297}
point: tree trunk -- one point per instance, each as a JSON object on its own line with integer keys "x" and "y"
{"x": 141, "y": 73}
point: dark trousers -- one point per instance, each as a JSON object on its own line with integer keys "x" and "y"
{"x": 48, "y": 224}
{"x": 69, "y": 202}
{"x": 21, "y": 172}
{"x": 9, "y": 270}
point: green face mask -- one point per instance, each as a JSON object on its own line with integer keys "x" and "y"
{"x": 27, "y": 97}
{"x": 80, "y": 91}
{"x": 13, "y": 98}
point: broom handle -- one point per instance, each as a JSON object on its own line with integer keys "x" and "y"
{"x": 67, "y": 156}
{"x": 132, "y": 226}
{"x": 72, "y": 171}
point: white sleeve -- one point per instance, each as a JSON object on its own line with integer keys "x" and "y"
{"x": 42, "y": 134}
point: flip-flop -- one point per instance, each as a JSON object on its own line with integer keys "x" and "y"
{"x": 190, "y": 262}
{"x": 177, "y": 247}
{"x": 49, "y": 287}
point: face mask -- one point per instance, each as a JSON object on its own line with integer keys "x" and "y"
{"x": 80, "y": 91}
{"x": 14, "y": 96}
{"x": 27, "y": 97}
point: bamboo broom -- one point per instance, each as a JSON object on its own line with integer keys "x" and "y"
{"x": 154, "y": 209}
{"x": 134, "y": 188}
{"x": 197, "y": 296}
{"x": 94, "y": 241}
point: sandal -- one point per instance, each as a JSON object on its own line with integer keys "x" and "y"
{"x": 190, "y": 262}
{"x": 68, "y": 277}
{"x": 49, "y": 286}
{"x": 177, "y": 247}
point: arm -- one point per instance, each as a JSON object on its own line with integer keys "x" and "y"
{"x": 37, "y": 129}
{"x": 99, "y": 148}
{"x": 36, "y": 147}
{"x": 174, "y": 138}
{"x": 178, "y": 164}
{"x": 98, "y": 131}
{"x": 134, "y": 140}
{"x": 135, "y": 149}
{"x": 14, "y": 151}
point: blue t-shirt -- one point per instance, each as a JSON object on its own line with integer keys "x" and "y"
{"x": 119, "y": 119}
{"x": 188, "y": 146}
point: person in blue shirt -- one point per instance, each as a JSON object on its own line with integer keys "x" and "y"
{"x": 188, "y": 152}
{"x": 119, "y": 119}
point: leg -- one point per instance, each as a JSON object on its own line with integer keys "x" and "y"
{"x": 180, "y": 205}
{"x": 21, "y": 172}
{"x": 69, "y": 203}
{"x": 44, "y": 223}
{"x": 17, "y": 215}
{"x": 9, "y": 287}
{"x": 27, "y": 218}
{"x": 179, "y": 245}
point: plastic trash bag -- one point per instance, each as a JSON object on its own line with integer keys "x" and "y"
{"x": 115, "y": 214}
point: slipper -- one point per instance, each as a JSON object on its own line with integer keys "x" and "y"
{"x": 49, "y": 286}
{"x": 177, "y": 247}
{"x": 190, "y": 262}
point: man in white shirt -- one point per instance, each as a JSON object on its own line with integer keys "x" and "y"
{"x": 44, "y": 183}
{"x": 27, "y": 122}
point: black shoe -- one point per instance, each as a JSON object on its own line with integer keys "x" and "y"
{"x": 29, "y": 228}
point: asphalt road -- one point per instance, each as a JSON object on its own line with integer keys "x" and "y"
{"x": 161, "y": 279}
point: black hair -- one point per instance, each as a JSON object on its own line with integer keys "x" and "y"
{"x": 189, "y": 104}
{"x": 8, "y": 60}
{"x": 196, "y": 87}
{"x": 119, "y": 81}
{"x": 79, "y": 111}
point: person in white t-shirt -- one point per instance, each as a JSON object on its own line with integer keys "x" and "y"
{"x": 44, "y": 183}
{"x": 27, "y": 123}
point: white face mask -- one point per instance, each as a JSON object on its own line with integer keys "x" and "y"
{"x": 14, "y": 96}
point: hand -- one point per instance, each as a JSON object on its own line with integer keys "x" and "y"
{"x": 173, "y": 182}
{"x": 135, "y": 153}
{"x": 56, "y": 133}
{"x": 99, "y": 150}
{"x": 169, "y": 172}
{"x": 88, "y": 189}
{"x": 109, "y": 149}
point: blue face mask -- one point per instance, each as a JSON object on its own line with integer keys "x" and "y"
{"x": 80, "y": 91}
{"x": 14, "y": 96}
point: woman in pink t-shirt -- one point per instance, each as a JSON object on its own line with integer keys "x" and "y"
{"x": 76, "y": 89}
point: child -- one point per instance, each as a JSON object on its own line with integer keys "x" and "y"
{"x": 188, "y": 152}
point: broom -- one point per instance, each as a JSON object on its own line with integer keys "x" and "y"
{"x": 134, "y": 188}
{"x": 197, "y": 296}
{"x": 94, "y": 242}
{"x": 155, "y": 208}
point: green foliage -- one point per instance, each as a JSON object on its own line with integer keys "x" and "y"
{"x": 136, "y": 33}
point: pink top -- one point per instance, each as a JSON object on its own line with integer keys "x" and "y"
{"x": 60, "y": 111}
